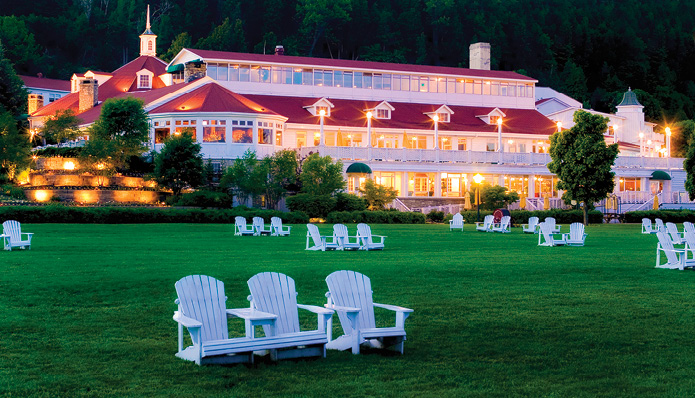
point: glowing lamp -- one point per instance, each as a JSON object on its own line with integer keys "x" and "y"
{"x": 322, "y": 112}
{"x": 499, "y": 121}
{"x": 559, "y": 125}
{"x": 436, "y": 118}
{"x": 668, "y": 131}
{"x": 69, "y": 166}
{"x": 478, "y": 178}
{"x": 41, "y": 196}
{"x": 510, "y": 142}
{"x": 369, "y": 115}
{"x": 641, "y": 135}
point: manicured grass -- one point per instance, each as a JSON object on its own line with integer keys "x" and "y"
{"x": 87, "y": 313}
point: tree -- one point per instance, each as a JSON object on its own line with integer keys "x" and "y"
{"x": 14, "y": 147}
{"x": 320, "y": 176}
{"x": 179, "y": 164}
{"x": 226, "y": 37}
{"x": 245, "y": 177}
{"x": 123, "y": 122}
{"x": 281, "y": 171}
{"x": 689, "y": 166}
{"x": 95, "y": 158}
{"x": 181, "y": 41}
{"x": 376, "y": 195}
{"x": 320, "y": 17}
{"x": 62, "y": 126}
{"x": 494, "y": 197}
{"x": 13, "y": 96}
{"x": 683, "y": 134}
{"x": 582, "y": 161}
{"x": 20, "y": 45}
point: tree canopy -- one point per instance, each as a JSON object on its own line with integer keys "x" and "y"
{"x": 582, "y": 161}
{"x": 320, "y": 176}
{"x": 179, "y": 164}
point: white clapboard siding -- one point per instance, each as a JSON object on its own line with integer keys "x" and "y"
{"x": 13, "y": 236}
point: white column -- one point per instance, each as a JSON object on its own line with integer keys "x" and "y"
{"x": 369, "y": 129}
{"x": 438, "y": 185}
{"x": 436, "y": 131}
{"x": 322, "y": 139}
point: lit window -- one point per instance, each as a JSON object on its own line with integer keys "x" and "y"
{"x": 144, "y": 81}
{"x": 214, "y": 131}
{"x": 383, "y": 114}
{"x": 443, "y": 117}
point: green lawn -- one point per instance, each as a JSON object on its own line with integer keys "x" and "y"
{"x": 88, "y": 312}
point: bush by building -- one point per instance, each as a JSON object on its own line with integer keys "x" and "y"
{"x": 674, "y": 216}
{"x": 375, "y": 217}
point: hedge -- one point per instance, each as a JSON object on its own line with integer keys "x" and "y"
{"x": 375, "y": 217}
{"x": 674, "y": 216}
{"x": 521, "y": 216}
{"x": 135, "y": 215}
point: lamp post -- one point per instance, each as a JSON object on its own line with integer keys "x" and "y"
{"x": 615, "y": 132}
{"x": 322, "y": 115}
{"x": 478, "y": 179}
{"x": 369, "y": 129}
{"x": 641, "y": 144}
{"x": 668, "y": 142}
{"x": 499, "y": 134}
{"x": 436, "y": 131}
{"x": 559, "y": 127}
{"x": 510, "y": 142}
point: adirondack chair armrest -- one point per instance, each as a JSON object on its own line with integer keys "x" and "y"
{"x": 338, "y": 308}
{"x": 29, "y": 234}
{"x": 186, "y": 321}
{"x": 393, "y": 307}
{"x": 382, "y": 237}
{"x": 316, "y": 309}
{"x": 250, "y": 314}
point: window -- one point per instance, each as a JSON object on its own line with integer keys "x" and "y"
{"x": 242, "y": 135}
{"x": 301, "y": 139}
{"x": 234, "y": 73}
{"x": 278, "y": 135}
{"x": 264, "y": 74}
{"x": 383, "y": 114}
{"x": 478, "y": 87}
{"x": 214, "y": 130}
{"x": 144, "y": 81}
{"x": 244, "y": 73}
{"x": 53, "y": 97}
{"x": 462, "y": 144}
{"x": 450, "y": 85}
{"x": 307, "y": 75}
{"x": 454, "y": 184}
{"x": 357, "y": 83}
{"x": 211, "y": 70}
{"x": 338, "y": 75}
{"x": 443, "y": 117}
{"x": 445, "y": 143}
{"x": 518, "y": 184}
{"x": 161, "y": 135}
{"x": 469, "y": 86}
{"x": 347, "y": 79}
{"x": 490, "y": 147}
{"x": 486, "y": 87}
{"x": 149, "y": 45}
{"x": 386, "y": 82}
{"x": 367, "y": 80}
{"x": 495, "y": 88}
{"x": 222, "y": 72}
{"x": 265, "y": 134}
{"x": 630, "y": 184}
{"x": 328, "y": 78}
{"x": 185, "y": 127}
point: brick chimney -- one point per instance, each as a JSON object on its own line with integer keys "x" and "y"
{"x": 35, "y": 103}
{"x": 279, "y": 50}
{"x": 89, "y": 94}
{"x": 479, "y": 56}
{"x": 193, "y": 71}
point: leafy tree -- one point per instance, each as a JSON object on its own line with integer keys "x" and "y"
{"x": 376, "y": 195}
{"x": 689, "y": 166}
{"x": 95, "y": 158}
{"x": 13, "y": 96}
{"x": 320, "y": 176}
{"x": 281, "y": 171}
{"x": 226, "y": 37}
{"x": 179, "y": 164}
{"x": 123, "y": 122}
{"x": 320, "y": 17}
{"x": 181, "y": 41}
{"x": 14, "y": 146}
{"x": 245, "y": 177}
{"x": 582, "y": 160}
{"x": 493, "y": 197}
{"x": 62, "y": 126}
{"x": 20, "y": 45}
{"x": 683, "y": 134}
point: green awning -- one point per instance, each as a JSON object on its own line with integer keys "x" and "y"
{"x": 660, "y": 175}
{"x": 359, "y": 168}
{"x": 175, "y": 68}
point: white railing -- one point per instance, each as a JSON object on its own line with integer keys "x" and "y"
{"x": 68, "y": 144}
{"x": 451, "y": 156}
{"x": 634, "y": 196}
{"x": 398, "y": 205}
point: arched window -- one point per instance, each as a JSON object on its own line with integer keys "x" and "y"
{"x": 149, "y": 45}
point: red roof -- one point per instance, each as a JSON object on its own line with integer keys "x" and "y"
{"x": 212, "y": 98}
{"x": 350, "y": 113}
{"x": 349, "y": 64}
{"x": 48, "y": 84}
{"x": 124, "y": 80}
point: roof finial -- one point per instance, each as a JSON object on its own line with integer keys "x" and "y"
{"x": 148, "y": 18}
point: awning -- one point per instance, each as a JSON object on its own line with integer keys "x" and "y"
{"x": 175, "y": 68}
{"x": 660, "y": 175}
{"x": 359, "y": 168}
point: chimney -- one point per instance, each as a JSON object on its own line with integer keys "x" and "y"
{"x": 35, "y": 102}
{"x": 89, "y": 94}
{"x": 279, "y": 50}
{"x": 480, "y": 56}
{"x": 193, "y": 71}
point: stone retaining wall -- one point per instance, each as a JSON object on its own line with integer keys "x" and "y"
{"x": 74, "y": 180}
{"x": 90, "y": 196}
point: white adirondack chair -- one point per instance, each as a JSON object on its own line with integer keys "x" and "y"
{"x": 456, "y": 222}
{"x": 531, "y": 227}
{"x": 367, "y": 241}
{"x": 240, "y": 227}
{"x": 486, "y": 225}
{"x": 502, "y": 226}
{"x": 275, "y": 293}
{"x": 546, "y": 237}
{"x": 676, "y": 237}
{"x": 350, "y": 295}
{"x": 259, "y": 227}
{"x": 550, "y": 221}
{"x": 12, "y": 236}
{"x": 675, "y": 258}
{"x": 688, "y": 227}
{"x": 659, "y": 225}
{"x": 278, "y": 229}
{"x": 202, "y": 310}
{"x": 315, "y": 241}
{"x": 647, "y": 227}
{"x": 345, "y": 241}
{"x": 576, "y": 236}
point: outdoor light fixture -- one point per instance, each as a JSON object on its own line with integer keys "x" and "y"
{"x": 559, "y": 126}
{"x": 436, "y": 130}
{"x": 478, "y": 179}
{"x": 369, "y": 130}
{"x": 322, "y": 114}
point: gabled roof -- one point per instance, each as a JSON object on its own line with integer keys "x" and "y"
{"x": 210, "y": 55}
{"x": 350, "y": 113}
{"x": 44, "y": 83}
{"x": 211, "y": 97}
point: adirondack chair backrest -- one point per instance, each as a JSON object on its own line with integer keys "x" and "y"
{"x": 672, "y": 230}
{"x": 13, "y": 229}
{"x": 689, "y": 236}
{"x": 314, "y": 234}
{"x": 457, "y": 220}
{"x": 240, "y": 221}
{"x": 340, "y": 231}
{"x": 550, "y": 221}
{"x": 659, "y": 224}
{"x": 202, "y": 298}
{"x": 646, "y": 224}
{"x": 577, "y": 231}
{"x": 275, "y": 293}
{"x": 546, "y": 230}
{"x": 489, "y": 219}
{"x": 688, "y": 228}
{"x": 504, "y": 221}
{"x": 258, "y": 223}
{"x": 276, "y": 222}
{"x": 352, "y": 289}
{"x": 365, "y": 232}
{"x": 666, "y": 244}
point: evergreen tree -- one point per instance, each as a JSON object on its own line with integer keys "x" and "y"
{"x": 179, "y": 164}
{"x": 13, "y": 96}
{"x": 181, "y": 41}
{"x": 582, "y": 161}
{"x": 14, "y": 147}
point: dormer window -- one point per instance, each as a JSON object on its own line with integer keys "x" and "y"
{"x": 325, "y": 109}
{"x": 144, "y": 82}
{"x": 443, "y": 117}
{"x": 494, "y": 119}
{"x": 383, "y": 114}
{"x": 321, "y": 105}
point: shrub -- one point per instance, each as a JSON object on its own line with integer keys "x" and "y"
{"x": 316, "y": 206}
{"x": 59, "y": 152}
{"x": 560, "y": 216}
{"x": 375, "y": 217}
{"x": 56, "y": 213}
{"x": 674, "y": 216}
{"x": 13, "y": 191}
{"x": 204, "y": 199}
{"x": 349, "y": 202}
{"x": 435, "y": 216}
